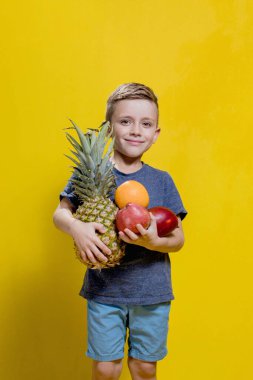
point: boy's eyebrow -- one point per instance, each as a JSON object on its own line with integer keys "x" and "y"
{"x": 143, "y": 118}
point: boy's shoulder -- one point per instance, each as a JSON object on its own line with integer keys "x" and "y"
{"x": 157, "y": 171}
{"x": 153, "y": 178}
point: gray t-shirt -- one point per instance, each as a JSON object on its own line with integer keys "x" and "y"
{"x": 144, "y": 276}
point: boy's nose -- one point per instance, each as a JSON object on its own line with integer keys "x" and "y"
{"x": 135, "y": 130}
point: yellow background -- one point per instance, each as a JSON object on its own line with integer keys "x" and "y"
{"x": 61, "y": 59}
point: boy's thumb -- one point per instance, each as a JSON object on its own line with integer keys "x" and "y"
{"x": 99, "y": 227}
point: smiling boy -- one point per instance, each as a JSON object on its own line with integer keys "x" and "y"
{"x": 135, "y": 296}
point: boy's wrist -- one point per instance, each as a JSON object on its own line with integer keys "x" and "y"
{"x": 160, "y": 244}
{"x": 153, "y": 245}
{"x": 72, "y": 224}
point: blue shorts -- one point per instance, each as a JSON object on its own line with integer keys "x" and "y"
{"x": 147, "y": 331}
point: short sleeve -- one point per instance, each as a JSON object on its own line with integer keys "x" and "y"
{"x": 68, "y": 192}
{"x": 172, "y": 198}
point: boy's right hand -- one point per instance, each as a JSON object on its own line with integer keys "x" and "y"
{"x": 91, "y": 248}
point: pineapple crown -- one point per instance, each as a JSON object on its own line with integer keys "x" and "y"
{"x": 92, "y": 174}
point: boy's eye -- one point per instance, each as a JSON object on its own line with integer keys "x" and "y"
{"x": 124, "y": 122}
{"x": 146, "y": 124}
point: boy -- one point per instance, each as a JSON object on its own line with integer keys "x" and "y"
{"x": 136, "y": 294}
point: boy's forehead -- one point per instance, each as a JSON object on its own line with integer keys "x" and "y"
{"x": 128, "y": 107}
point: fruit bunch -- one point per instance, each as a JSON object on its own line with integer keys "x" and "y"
{"x": 132, "y": 199}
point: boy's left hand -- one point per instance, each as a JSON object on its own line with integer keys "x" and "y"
{"x": 147, "y": 238}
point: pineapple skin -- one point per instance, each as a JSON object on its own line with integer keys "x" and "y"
{"x": 102, "y": 210}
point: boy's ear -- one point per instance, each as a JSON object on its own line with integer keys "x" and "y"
{"x": 157, "y": 133}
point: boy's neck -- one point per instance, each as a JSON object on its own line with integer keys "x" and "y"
{"x": 126, "y": 165}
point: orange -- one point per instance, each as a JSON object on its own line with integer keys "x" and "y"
{"x": 131, "y": 192}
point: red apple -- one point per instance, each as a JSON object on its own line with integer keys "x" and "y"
{"x": 131, "y": 215}
{"x": 166, "y": 220}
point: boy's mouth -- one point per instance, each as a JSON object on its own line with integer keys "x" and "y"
{"x": 134, "y": 142}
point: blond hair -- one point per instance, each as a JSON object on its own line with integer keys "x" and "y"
{"x": 129, "y": 91}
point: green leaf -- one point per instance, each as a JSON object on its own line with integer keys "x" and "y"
{"x": 73, "y": 142}
{"x": 72, "y": 159}
{"x": 82, "y": 137}
{"x": 98, "y": 148}
{"x": 93, "y": 138}
{"x": 86, "y": 185}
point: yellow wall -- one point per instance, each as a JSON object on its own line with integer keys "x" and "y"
{"x": 61, "y": 59}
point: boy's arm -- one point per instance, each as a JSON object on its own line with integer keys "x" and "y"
{"x": 150, "y": 239}
{"x": 63, "y": 217}
{"x": 90, "y": 246}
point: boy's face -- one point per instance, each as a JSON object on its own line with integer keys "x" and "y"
{"x": 135, "y": 126}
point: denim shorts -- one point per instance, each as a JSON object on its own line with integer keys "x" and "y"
{"x": 147, "y": 328}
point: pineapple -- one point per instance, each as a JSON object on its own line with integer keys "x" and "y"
{"x": 93, "y": 182}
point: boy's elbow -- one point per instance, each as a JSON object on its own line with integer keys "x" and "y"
{"x": 179, "y": 245}
{"x": 54, "y": 218}
{"x": 56, "y": 215}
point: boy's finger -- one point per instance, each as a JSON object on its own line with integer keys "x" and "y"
{"x": 103, "y": 247}
{"x": 99, "y": 255}
{"x": 153, "y": 221}
{"x": 99, "y": 227}
{"x": 83, "y": 256}
{"x": 124, "y": 237}
{"x": 130, "y": 234}
{"x": 141, "y": 229}
{"x": 90, "y": 256}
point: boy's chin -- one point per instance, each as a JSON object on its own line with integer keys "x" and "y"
{"x": 134, "y": 156}
{"x": 127, "y": 154}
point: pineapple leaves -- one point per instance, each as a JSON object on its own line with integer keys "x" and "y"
{"x": 99, "y": 145}
{"x": 106, "y": 157}
{"x": 72, "y": 159}
{"x": 93, "y": 169}
{"x": 82, "y": 137}
{"x": 92, "y": 138}
{"x": 83, "y": 186}
{"x": 87, "y": 195}
{"x": 73, "y": 141}
{"x": 85, "y": 178}
{"x": 106, "y": 178}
